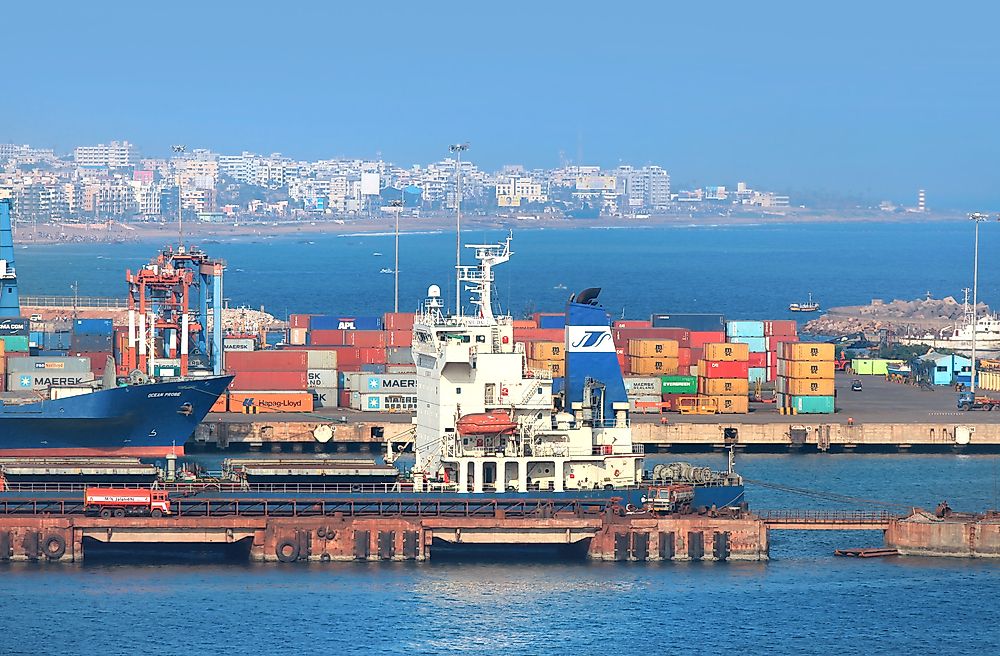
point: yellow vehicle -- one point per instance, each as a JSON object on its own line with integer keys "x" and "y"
{"x": 699, "y": 405}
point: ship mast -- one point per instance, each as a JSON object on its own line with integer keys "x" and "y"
{"x": 481, "y": 276}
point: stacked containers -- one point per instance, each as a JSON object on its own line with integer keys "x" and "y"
{"x": 381, "y": 392}
{"x": 805, "y": 377}
{"x": 93, "y": 339}
{"x": 776, "y": 333}
{"x": 656, "y": 357}
{"x": 674, "y": 388}
{"x": 722, "y": 375}
{"x": 322, "y": 378}
{"x": 271, "y": 381}
{"x": 750, "y": 333}
{"x": 645, "y": 389}
{"x": 547, "y": 356}
{"x": 14, "y": 333}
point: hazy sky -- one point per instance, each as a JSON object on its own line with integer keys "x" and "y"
{"x": 867, "y": 98}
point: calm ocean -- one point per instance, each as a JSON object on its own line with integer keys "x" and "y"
{"x": 804, "y": 601}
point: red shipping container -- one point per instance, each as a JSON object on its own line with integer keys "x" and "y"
{"x": 716, "y": 369}
{"x": 684, "y": 358}
{"x": 782, "y": 327}
{"x": 699, "y": 338}
{"x": 299, "y": 321}
{"x": 399, "y": 338}
{"x": 361, "y": 338}
{"x": 270, "y": 380}
{"x": 398, "y": 320}
{"x": 631, "y": 323}
{"x": 98, "y": 360}
{"x": 757, "y": 359}
{"x": 539, "y": 334}
{"x": 623, "y": 361}
{"x": 344, "y": 398}
{"x": 283, "y": 360}
{"x": 350, "y": 358}
{"x": 524, "y": 323}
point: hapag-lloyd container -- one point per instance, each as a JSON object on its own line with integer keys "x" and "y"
{"x": 282, "y": 360}
{"x": 716, "y": 369}
{"x": 271, "y": 401}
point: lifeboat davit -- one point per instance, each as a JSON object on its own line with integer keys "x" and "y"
{"x": 494, "y": 422}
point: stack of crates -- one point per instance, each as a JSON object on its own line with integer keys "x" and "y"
{"x": 805, "y": 377}
{"x": 653, "y": 357}
{"x": 547, "y": 356}
{"x": 752, "y": 334}
{"x": 722, "y": 376}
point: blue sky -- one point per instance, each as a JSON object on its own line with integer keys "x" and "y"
{"x": 871, "y": 99}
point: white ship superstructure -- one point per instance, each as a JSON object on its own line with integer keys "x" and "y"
{"x": 959, "y": 337}
{"x": 485, "y": 422}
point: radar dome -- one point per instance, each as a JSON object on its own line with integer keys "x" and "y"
{"x": 433, "y": 292}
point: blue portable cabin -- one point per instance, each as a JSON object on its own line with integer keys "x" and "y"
{"x": 939, "y": 369}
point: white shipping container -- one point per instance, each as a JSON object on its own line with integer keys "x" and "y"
{"x": 324, "y": 397}
{"x": 384, "y": 402}
{"x": 643, "y": 386}
{"x": 57, "y": 393}
{"x": 48, "y": 364}
{"x": 297, "y": 337}
{"x": 238, "y": 344}
{"x": 45, "y": 380}
{"x": 322, "y": 378}
{"x": 316, "y": 359}
{"x": 366, "y": 382}
{"x": 399, "y": 355}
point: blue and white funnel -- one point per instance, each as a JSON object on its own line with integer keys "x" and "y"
{"x": 10, "y": 303}
{"x": 590, "y": 352}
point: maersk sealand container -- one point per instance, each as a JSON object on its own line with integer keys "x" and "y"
{"x": 695, "y": 322}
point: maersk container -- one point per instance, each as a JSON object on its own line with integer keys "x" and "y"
{"x": 368, "y": 382}
{"x": 694, "y": 322}
{"x": 678, "y": 384}
{"x": 757, "y": 373}
{"x": 345, "y": 323}
{"x": 40, "y": 380}
{"x": 322, "y": 378}
{"x": 809, "y": 405}
{"x": 238, "y": 344}
{"x": 325, "y": 397}
{"x": 93, "y": 327}
{"x": 744, "y": 329}
{"x": 755, "y": 344}
{"x": 643, "y": 386}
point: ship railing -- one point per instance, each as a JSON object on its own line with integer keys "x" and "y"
{"x": 611, "y": 450}
{"x": 74, "y": 301}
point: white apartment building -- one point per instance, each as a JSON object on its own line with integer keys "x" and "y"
{"x": 513, "y": 192}
{"x": 115, "y": 155}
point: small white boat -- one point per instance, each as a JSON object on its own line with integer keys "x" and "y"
{"x": 809, "y": 306}
{"x": 386, "y": 270}
{"x": 376, "y": 254}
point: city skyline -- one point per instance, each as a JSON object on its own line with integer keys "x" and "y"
{"x": 772, "y": 94}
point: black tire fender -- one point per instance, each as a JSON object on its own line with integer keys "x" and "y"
{"x": 321, "y": 532}
{"x": 54, "y": 546}
{"x": 287, "y": 550}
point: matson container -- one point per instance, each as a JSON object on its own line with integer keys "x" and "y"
{"x": 653, "y": 348}
{"x": 725, "y": 352}
{"x": 271, "y": 401}
{"x": 806, "y": 351}
{"x": 644, "y": 386}
{"x": 716, "y": 369}
{"x": 732, "y": 405}
{"x": 238, "y": 344}
{"x": 793, "y": 369}
{"x": 546, "y": 350}
{"x": 723, "y": 386}
{"x": 270, "y": 380}
{"x": 270, "y": 361}
{"x": 804, "y": 386}
{"x": 49, "y": 365}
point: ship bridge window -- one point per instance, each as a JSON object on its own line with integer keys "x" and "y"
{"x": 458, "y": 390}
{"x": 480, "y": 339}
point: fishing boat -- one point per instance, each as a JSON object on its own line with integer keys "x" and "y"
{"x": 809, "y": 306}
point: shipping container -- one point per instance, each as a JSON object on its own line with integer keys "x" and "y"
{"x": 631, "y": 323}
{"x": 678, "y": 384}
{"x": 525, "y": 323}
{"x": 989, "y": 380}
{"x": 366, "y": 382}
{"x": 726, "y": 352}
{"x": 805, "y": 351}
{"x": 717, "y": 369}
{"x": 538, "y": 335}
{"x": 804, "y": 386}
{"x": 399, "y": 338}
{"x": 693, "y": 322}
{"x": 15, "y": 327}
{"x": 325, "y": 397}
{"x": 873, "y": 367}
{"x": 622, "y": 336}
{"x": 373, "y": 368}
{"x": 344, "y": 398}
{"x": 166, "y": 371}
{"x": 399, "y": 355}
{"x": 732, "y": 405}
{"x": 546, "y": 350}
{"x": 685, "y": 357}
{"x": 384, "y": 402}
{"x": 744, "y": 329}
{"x": 672, "y": 402}
{"x": 283, "y": 360}
{"x": 755, "y": 344}
{"x": 400, "y": 369}
{"x": 757, "y": 373}
{"x": 270, "y": 380}
{"x": 781, "y": 327}
{"x": 98, "y": 361}
{"x": 104, "y": 327}
{"x": 653, "y": 348}
{"x": 647, "y": 404}
{"x": 321, "y": 378}
{"x": 221, "y": 404}
{"x": 359, "y": 338}
{"x": 549, "y": 320}
{"x": 299, "y": 321}
{"x": 298, "y": 336}
{"x": 647, "y": 366}
{"x": 398, "y": 321}
{"x": 40, "y": 380}
{"x": 554, "y": 367}
{"x": 794, "y": 369}
{"x": 271, "y": 401}
{"x": 698, "y": 339}
{"x": 723, "y": 386}
{"x": 643, "y": 386}
{"x": 91, "y": 342}
{"x": 817, "y": 405}
{"x": 772, "y": 342}
{"x": 321, "y": 359}
{"x": 49, "y": 364}
{"x": 239, "y": 344}
{"x": 320, "y": 322}
{"x": 757, "y": 360}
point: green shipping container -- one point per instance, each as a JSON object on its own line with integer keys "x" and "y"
{"x": 15, "y": 343}
{"x": 165, "y": 371}
{"x": 678, "y": 384}
{"x": 808, "y": 405}
{"x": 873, "y": 367}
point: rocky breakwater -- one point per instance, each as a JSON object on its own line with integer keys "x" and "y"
{"x": 917, "y": 317}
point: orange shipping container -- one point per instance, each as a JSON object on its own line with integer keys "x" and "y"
{"x": 725, "y": 352}
{"x": 400, "y": 338}
{"x": 525, "y": 323}
{"x": 653, "y": 348}
{"x": 733, "y": 405}
{"x": 806, "y": 351}
{"x": 652, "y": 366}
{"x": 796, "y": 369}
{"x": 546, "y": 350}
{"x": 221, "y": 404}
{"x": 555, "y": 367}
{"x": 804, "y": 386}
{"x": 272, "y": 401}
{"x": 723, "y": 386}
{"x": 398, "y": 321}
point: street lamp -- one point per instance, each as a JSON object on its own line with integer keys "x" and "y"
{"x": 179, "y": 149}
{"x": 977, "y": 218}
{"x": 458, "y": 149}
{"x": 397, "y": 207}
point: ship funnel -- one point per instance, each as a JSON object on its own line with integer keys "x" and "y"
{"x": 590, "y": 354}
{"x": 10, "y": 302}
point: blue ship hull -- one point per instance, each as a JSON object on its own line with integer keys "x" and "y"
{"x": 139, "y": 420}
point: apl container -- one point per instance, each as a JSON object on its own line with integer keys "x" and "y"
{"x": 345, "y": 323}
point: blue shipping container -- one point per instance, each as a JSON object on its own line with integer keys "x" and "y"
{"x": 744, "y": 329}
{"x": 93, "y": 327}
{"x": 90, "y": 343}
{"x": 345, "y": 323}
{"x": 757, "y": 373}
{"x": 57, "y": 340}
{"x": 756, "y": 344}
{"x": 373, "y": 368}
{"x": 698, "y": 322}
{"x": 36, "y": 339}
{"x": 811, "y": 405}
{"x": 558, "y": 322}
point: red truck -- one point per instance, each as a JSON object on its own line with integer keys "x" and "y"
{"x": 115, "y": 502}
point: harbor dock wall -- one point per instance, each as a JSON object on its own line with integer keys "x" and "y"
{"x": 923, "y": 534}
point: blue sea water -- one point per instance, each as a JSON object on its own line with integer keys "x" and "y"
{"x": 804, "y": 601}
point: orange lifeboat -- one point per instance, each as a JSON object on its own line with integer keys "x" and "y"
{"x": 494, "y": 422}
